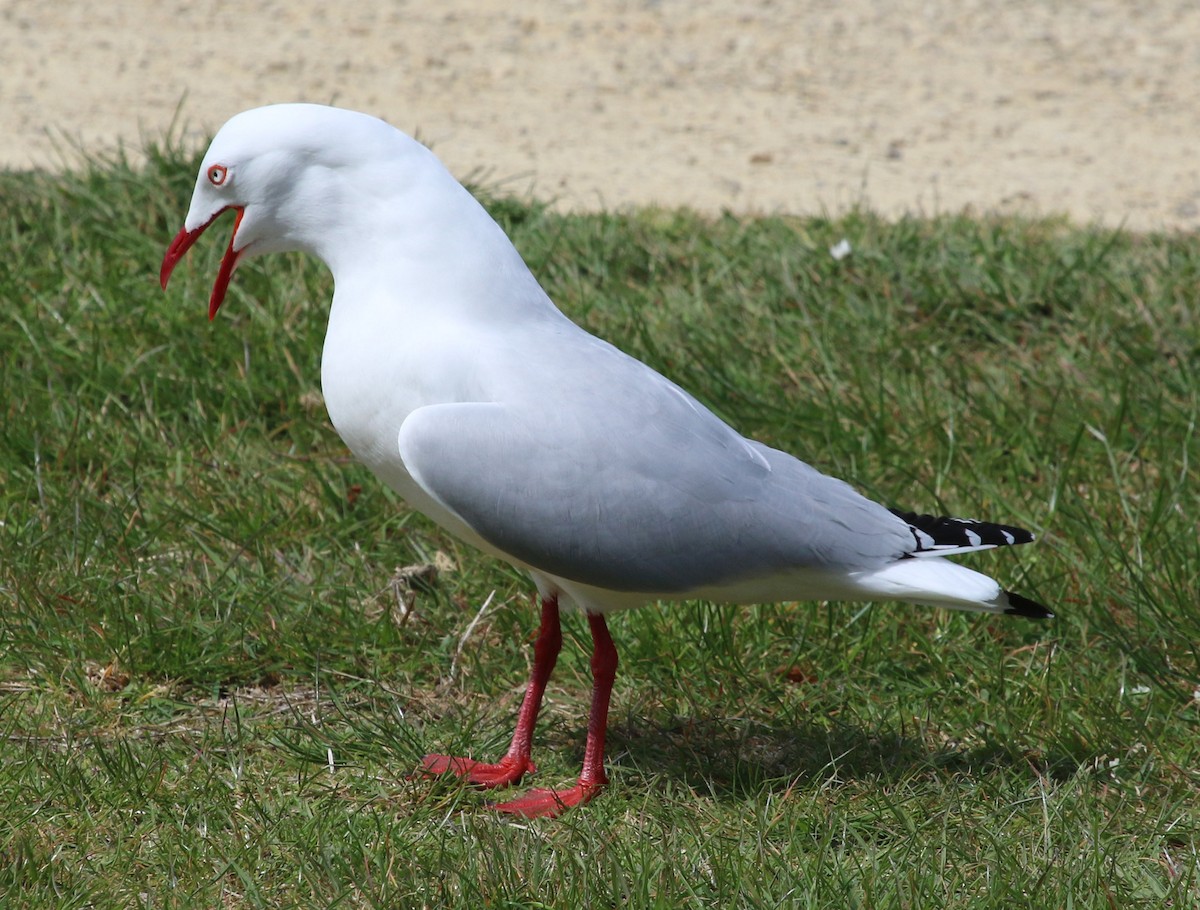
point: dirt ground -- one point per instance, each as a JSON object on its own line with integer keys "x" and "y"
{"x": 1088, "y": 107}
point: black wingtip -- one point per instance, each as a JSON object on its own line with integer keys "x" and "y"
{"x": 1023, "y": 606}
{"x": 933, "y": 532}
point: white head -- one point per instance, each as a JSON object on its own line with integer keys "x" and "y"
{"x": 289, "y": 171}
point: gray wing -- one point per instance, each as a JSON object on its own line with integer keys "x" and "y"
{"x": 629, "y": 484}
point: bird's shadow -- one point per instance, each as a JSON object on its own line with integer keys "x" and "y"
{"x": 737, "y": 758}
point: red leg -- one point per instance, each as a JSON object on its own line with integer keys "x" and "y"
{"x": 516, "y": 761}
{"x": 549, "y": 803}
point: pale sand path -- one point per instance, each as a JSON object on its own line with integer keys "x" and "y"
{"x": 1045, "y": 106}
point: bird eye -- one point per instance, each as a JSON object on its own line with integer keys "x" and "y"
{"x": 217, "y": 174}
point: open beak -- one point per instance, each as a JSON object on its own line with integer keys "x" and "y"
{"x": 183, "y": 242}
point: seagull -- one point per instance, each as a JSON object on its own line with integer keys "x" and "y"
{"x": 449, "y": 372}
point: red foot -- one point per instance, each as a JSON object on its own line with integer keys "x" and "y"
{"x": 544, "y": 803}
{"x": 501, "y": 774}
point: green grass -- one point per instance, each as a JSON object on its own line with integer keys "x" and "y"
{"x": 211, "y": 693}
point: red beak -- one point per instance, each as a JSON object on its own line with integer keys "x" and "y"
{"x": 183, "y": 242}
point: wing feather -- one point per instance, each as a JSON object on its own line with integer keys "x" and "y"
{"x": 641, "y": 490}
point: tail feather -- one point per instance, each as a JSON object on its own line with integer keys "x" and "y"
{"x": 946, "y": 584}
{"x": 938, "y": 582}
{"x": 1023, "y": 606}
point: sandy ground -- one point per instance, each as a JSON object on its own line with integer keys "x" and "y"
{"x": 1088, "y": 107}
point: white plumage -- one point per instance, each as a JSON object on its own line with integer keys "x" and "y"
{"x": 453, "y": 377}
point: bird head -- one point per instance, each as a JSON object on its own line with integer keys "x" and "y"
{"x": 281, "y": 170}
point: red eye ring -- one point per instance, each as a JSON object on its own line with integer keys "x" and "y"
{"x": 217, "y": 174}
